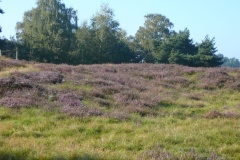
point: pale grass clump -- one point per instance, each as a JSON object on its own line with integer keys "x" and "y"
{"x": 23, "y": 69}
{"x": 228, "y": 112}
{"x": 158, "y": 153}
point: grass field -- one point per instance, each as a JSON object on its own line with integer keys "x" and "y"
{"x": 126, "y": 111}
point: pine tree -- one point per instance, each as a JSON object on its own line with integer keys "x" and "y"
{"x": 206, "y": 53}
{"x": 47, "y": 31}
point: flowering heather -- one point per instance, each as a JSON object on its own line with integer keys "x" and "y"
{"x": 214, "y": 78}
{"x": 102, "y": 89}
{"x": 9, "y": 63}
{"x": 15, "y": 82}
{"x": 13, "y": 102}
{"x": 70, "y": 99}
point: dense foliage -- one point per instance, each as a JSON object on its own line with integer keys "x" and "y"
{"x": 8, "y": 47}
{"x": 102, "y": 41}
{"x": 50, "y": 33}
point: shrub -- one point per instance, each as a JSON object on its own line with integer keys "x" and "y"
{"x": 69, "y": 99}
{"x": 46, "y": 77}
{"x": 15, "y": 83}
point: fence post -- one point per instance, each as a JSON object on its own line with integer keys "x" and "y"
{"x": 17, "y": 54}
{"x": 0, "y": 52}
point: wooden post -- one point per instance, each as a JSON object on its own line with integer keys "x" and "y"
{"x": 17, "y": 54}
{"x": 0, "y": 52}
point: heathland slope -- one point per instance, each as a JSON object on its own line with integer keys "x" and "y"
{"x": 178, "y": 99}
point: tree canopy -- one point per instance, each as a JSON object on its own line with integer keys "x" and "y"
{"x": 47, "y": 31}
{"x": 103, "y": 41}
{"x": 1, "y": 12}
{"x": 158, "y": 43}
{"x": 156, "y": 30}
{"x": 230, "y": 62}
{"x": 206, "y": 53}
{"x": 50, "y": 33}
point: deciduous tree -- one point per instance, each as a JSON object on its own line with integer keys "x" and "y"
{"x": 156, "y": 29}
{"x": 103, "y": 41}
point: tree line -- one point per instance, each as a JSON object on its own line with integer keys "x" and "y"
{"x": 51, "y": 33}
{"x": 231, "y": 62}
{"x": 1, "y": 12}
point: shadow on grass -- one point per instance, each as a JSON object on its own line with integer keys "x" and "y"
{"x": 13, "y": 156}
{"x": 25, "y": 156}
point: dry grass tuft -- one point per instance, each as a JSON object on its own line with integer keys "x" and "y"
{"x": 217, "y": 114}
{"x": 158, "y": 153}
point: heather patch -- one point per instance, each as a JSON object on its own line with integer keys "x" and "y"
{"x": 14, "y": 83}
{"x": 13, "y": 102}
{"x": 39, "y": 77}
{"x": 234, "y": 85}
{"x": 46, "y": 77}
{"x": 19, "y": 80}
{"x": 69, "y": 99}
{"x": 177, "y": 81}
{"x": 215, "y": 78}
{"x": 134, "y": 88}
{"x": 9, "y": 63}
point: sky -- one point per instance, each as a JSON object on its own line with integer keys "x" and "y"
{"x": 216, "y": 18}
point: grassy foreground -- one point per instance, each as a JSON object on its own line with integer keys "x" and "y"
{"x": 37, "y": 134}
{"x": 118, "y": 112}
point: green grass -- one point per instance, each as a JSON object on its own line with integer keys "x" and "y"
{"x": 39, "y": 134}
{"x": 69, "y": 85}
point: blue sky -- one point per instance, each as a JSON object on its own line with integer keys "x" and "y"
{"x": 217, "y": 18}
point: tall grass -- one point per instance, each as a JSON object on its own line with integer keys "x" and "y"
{"x": 38, "y": 134}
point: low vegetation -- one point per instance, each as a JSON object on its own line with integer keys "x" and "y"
{"x": 124, "y": 111}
